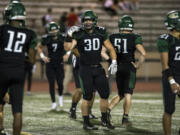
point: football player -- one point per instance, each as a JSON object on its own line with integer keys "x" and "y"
{"x": 89, "y": 40}
{"x": 54, "y": 62}
{"x": 169, "y": 49}
{"x": 78, "y": 92}
{"x": 15, "y": 41}
{"x": 125, "y": 43}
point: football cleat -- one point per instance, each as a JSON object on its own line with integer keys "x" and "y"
{"x": 89, "y": 126}
{"x": 125, "y": 121}
{"x": 72, "y": 113}
{"x": 54, "y": 106}
{"x": 107, "y": 123}
{"x": 91, "y": 116}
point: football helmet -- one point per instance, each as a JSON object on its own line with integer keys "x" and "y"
{"x": 89, "y": 15}
{"x": 172, "y": 20}
{"x": 126, "y": 23}
{"x": 15, "y": 11}
{"x": 53, "y": 29}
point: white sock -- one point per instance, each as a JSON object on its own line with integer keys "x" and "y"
{"x": 61, "y": 101}
{"x": 54, "y": 105}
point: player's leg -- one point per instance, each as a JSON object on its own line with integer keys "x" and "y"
{"x": 86, "y": 82}
{"x": 101, "y": 83}
{"x": 2, "y": 102}
{"x": 50, "y": 73}
{"x": 169, "y": 105}
{"x": 16, "y": 97}
{"x": 128, "y": 87}
{"x": 29, "y": 78}
{"x": 116, "y": 99}
{"x": 60, "y": 77}
{"x": 77, "y": 94}
{"x": 91, "y": 115}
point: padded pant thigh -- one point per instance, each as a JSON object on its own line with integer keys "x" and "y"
{"x": 86, "y": 82}
{"x": 101, "y": 84}
{"x": 168, "y": 97}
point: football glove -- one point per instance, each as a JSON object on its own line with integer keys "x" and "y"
{"x": 72, "y": 30}
{"x": 113, "y": 67}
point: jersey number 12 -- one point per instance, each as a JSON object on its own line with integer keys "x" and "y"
{"x": 21, "y": 40}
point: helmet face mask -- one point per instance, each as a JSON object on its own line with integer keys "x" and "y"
{"x": 53, "y": 29}
{"x": 126, "y": 23}
{"x": 89, "y": 20}
{"x": 172, "y": 20}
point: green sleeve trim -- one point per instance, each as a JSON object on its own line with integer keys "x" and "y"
{"x": 138, "y": 40}
{"x": 34, "y": 42}
{"x": 81, "y": 84}
{"x": 162, "y": 45}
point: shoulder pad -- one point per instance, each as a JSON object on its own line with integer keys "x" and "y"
{"x": 164, "y": 36}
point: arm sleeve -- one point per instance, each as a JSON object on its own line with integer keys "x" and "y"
{"x": 162, "y": 45}
{"x": 138, "y": 40}
{"x": 34, "y": 41}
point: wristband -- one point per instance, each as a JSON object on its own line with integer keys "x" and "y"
{"x": 68, "y": 52}
{"x": 114, "y": 62}
{"x": 172, "y": 81}
{"x": 42, "y": 55}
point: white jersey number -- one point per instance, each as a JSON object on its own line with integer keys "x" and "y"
{"x": 92, "y": 44}
{"x": 177, "y": 55}
{"x": 18, "y": 44}
{"x": 118, "y": 43}
{"x": 54, "y": 47}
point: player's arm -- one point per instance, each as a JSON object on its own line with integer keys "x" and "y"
{"x": 32, "y": 48}
{"x": 167, "y": 71}
{"x": 70, "y": 42}
{"x": 40, "y": 51}
{"x": 32, "y": 55}
{"x": 104, "y": 54}
{"x": 141, "y": 58}
{"x": 113, "y": 67}
{"x": 76, "y": 52}
{"x": 164, "y": 56}
{"x": 110, "y": 48}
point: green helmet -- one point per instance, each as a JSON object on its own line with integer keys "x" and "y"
{"x": 126, "y": 23}
{"x": 51, "y": 27}
{"x": 89, "y": 15}
{"x": 172, "y": 20}
{"x": 15, "y": 11}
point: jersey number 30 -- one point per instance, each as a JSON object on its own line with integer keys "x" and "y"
{"x": 92, "y": 44}
{"x": 21, "y": 40}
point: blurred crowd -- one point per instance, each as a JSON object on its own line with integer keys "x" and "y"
{"x": 114, "y": 6}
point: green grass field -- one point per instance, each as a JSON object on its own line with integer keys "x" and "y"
{"x": 145, "y": 114}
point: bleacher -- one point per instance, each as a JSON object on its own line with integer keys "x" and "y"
{"x": 149, "y": 18}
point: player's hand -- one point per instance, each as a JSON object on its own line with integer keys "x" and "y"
{"x": 72, "y": 30}
{"x": 66, "y": 57}
{"x": 113, "y": 67}
{"x": 175, "y": 88}
{"x": 6, "y": 98}
{"x": 46, "y": 59}
{"x": 135, "y": 65}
